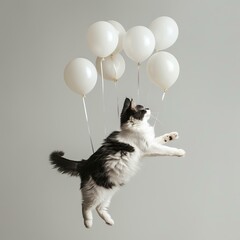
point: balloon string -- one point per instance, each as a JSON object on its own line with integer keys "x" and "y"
{"x": 117, "y": 98}
{"x": 138, "y": 79}
{"x": 86, "y": 116}
{"x": 115, "y": 83}
{"x": 156, "y": 120}
{"x": 115, "y": 69}
{"x": 103, "y": 100}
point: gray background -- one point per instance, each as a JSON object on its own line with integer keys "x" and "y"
{"x": 191, "y": 198}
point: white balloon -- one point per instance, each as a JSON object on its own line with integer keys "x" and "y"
{"x": 113, "y": 67}
{"x": 165, "y": 30}
{"x": 102, "y": 38}
{"x": 163, "y": 69}
{"x": 121, "y": 33}
{"x": 80, "y": 75}
{"x": 139, "y": 43}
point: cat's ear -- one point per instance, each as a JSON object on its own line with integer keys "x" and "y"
{"x": 126, "y": 105}
{"x": 129, "y": 104}
{"x": 133, "y": 105}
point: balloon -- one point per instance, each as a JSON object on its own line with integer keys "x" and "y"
{"x": 163, "y": 69}
{"x": 121, "y": 34}
{"x": 102, "y": 38}
{"x": 165, "y": 31}
{"x": 113, "y": 67}
{"x": 139, "y": 43}
{"x": 80, "y": 75}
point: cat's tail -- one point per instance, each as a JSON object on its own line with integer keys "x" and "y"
{"x": 64, "y": 165}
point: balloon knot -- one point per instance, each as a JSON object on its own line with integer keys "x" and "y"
{"x": 163, "y": 96}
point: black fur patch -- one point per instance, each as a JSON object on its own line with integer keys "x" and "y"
{"x": 95, "y": 166}
{"x": 129, "y": 111}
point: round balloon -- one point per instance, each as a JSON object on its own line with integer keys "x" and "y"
{"x": 165, "y": 30}
{"x": 102, "y": 38}
{"x": 121, "y": 34}
{"x": 113, "y": 67}
{"x": 139, "y": 43}
{"x": 80, "y": 75}
{"x": 163, "y": 69}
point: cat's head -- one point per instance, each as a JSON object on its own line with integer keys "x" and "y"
{"x": 133, "y": 114}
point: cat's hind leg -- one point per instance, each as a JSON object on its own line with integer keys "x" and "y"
{"x": 87, "y": 215}
{"x": 90, "y": 200}
{"x": 102, "y": 208}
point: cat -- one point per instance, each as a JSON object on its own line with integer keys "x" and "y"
{"x": 116, "y": 161}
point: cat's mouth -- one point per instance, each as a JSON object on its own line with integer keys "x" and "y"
{"x": 148, "y": 113}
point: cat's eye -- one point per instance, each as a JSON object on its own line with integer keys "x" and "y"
{"x": 139, "y": 107}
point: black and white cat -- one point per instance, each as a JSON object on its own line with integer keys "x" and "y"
{"x": 116, "y": 161}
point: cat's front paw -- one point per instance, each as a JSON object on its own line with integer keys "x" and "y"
{"x": 180, "y": 153}
{"x": 170, "y": 136}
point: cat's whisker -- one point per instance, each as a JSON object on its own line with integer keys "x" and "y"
{"x": 156, "y": 119}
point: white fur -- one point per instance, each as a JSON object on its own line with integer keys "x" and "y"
{"x": 141, "y": 136}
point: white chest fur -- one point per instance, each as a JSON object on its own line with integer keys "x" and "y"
{"x": 122, "y": 167}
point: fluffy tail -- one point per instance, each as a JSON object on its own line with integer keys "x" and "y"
{"x": 64, "y": 165}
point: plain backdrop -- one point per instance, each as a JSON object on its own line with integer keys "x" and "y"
{"x": 192, "y": 198}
